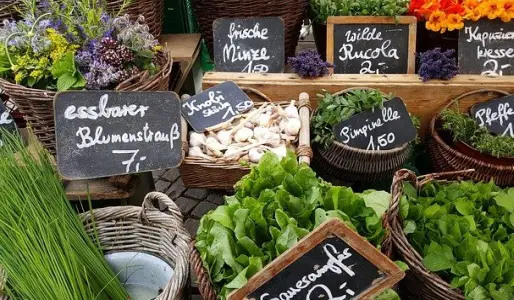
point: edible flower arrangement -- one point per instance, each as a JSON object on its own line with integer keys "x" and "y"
{"x": 63, "y": 45}
{"x": 443, "y": 15}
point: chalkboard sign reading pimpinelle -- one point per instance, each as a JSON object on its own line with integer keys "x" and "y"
{"x": 249, "y": 45}
{"x": 372, "y": 45}
{"x": 378, "y": 129}
{"x": 496, "y": 115}
{"x": 106, "y": 133}
{"x": 216, "y": 105}
{"x": 332, "y": 262}
{"x": 6, "y": 122}
{"x": 486, "y": 47}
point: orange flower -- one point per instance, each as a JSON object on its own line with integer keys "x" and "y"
{"x": 470, "y": 4}
{"x": 437, "y": 21}
{"x": 508, "y": 13}
{"x": 494, "y": 9}
{"x": 454, "y": 21}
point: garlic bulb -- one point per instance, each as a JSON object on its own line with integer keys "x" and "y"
{"x": 196, "y": 139}
{"x": 243, "y": 134}
{"x": 291, "y": 111}
{"x": 274, "y": 129}
{"x": 249, "y": 125}
{"x": 197, "y": 152}
{"x": 214, "y": 147}
{"x": 264, "y": 120}
{"x": 232, "y": 150}
{"x": 259, "y": 132}
{"x": 280, "y": 151}
{"x": 293, "y": 126}
{"x": 225, "y": 137}
{"x": 282, "y": 125}
{"x": 272, "y": 139}
{"x": 255, "y": 154}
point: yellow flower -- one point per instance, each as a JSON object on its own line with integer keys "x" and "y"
{"x": 157, "y": 48}
{"x": 60, "y": 45}
{"x": 19, "y": 77}
{"x": 437, "y": 21}
{"x": 454, "y": 21}
{"x": 43, "y": 62}
{"x": 494, "y": 8}
{"x": 36, "y": 73}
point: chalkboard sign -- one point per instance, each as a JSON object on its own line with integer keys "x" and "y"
{"x": 486, "y": 47}
{"x": 6, "y": 122}
{"x": 372, "y": 45}
{"x": 216, "y": 105}
{"x": 249, "y": 45}
{"x": 496, "y": 115}
{"x": 332, "y": 262}
{"x": 106, "y": 133}
{"x": 378, "y": 129}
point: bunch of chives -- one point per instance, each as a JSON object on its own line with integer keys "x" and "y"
{"x": 44, "y": 249}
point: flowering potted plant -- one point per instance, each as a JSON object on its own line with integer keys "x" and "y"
{"x": 68, "y": 45}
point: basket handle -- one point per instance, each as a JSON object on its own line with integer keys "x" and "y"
{"x": 462, "y": 96}
{"x": 256, "y": 92}
{"x": 161, "y": 202}
{"x": 304, "y": 150}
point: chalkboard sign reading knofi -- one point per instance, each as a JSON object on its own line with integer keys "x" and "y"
{"x": 332, "y": 262}
{"x": 372, "y": 45}
{"x": 496, "y": 115}
{"x": 216, "y": 105}
{"x": 486, "y": 47}
{"x": 249, "y": 45}
{"x": 6, "y": 122}
{"x": 378, "y": 129}
{"x": 106, "y": 133}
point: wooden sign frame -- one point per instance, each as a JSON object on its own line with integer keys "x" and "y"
{"x": 330, "y": 228}
{"x": 410, "y": 20}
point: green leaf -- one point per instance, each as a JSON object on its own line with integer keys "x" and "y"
{"x": 409, "y": 227}
{"x": 464, "y": 207}
{"x": 145, "y": 53}
{"x": 436, "y": 262}
{"x": 222, "y": 215}
{"x": 65, "y": 82}
{"x": 506, "y": 200}
{"x": 403, "y": 266}
{"x": 286, "y": 239}
{"x": 404, "y": 207}
{"x": 65, "y": 65}
{"x": 377, "y": 200}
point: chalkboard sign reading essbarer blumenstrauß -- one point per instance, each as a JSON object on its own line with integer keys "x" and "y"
{"x": 216, "y": 105}
{"x": 378, "y": 129}
{"x": 249, "y": 45}
{"x": 486, "y": 47}
{"x": 496, "y": 115}
{"x": 332, "y": 262}
{"x": 106, "y": 133}
{"x": 6, "y": 122}
{"x": 371, "y": 45}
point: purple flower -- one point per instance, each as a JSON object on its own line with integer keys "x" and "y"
{"x": 84, "y": 59}
{"x": 308, "y": 63}
{"x": 44, "y": 24}
{"x": 105, "y": 18}
{"x": 436, "y": 64}
{"x": 45, "y": 4}
{"x": 102, "y": 75}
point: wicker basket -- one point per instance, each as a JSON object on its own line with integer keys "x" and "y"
{"x": 419, "y": 282}
{"x": 446, "y": 158}
{"x": 291, "y": 11}
{"x": 37, "y": 105}
{"x": 349, "y": 164}
{"x": 151, "y": 10}
{"x": 217, "y": 175}
{"x": 7, "y": 9}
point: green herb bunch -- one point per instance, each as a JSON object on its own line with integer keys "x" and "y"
{"x": 322, "y": 9}
{"x": 464, "y": 128}
{"x": 275, "y": 206}
{"x": 465, "y": 232}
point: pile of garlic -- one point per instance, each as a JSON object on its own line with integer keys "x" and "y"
{"x": 247, "y": 137}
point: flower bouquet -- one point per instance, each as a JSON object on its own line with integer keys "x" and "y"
{"x": 61, "y": 45}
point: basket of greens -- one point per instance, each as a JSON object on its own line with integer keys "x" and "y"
{"x": 458, "y": 142}
{"x": 456, "y": 236}
{"x": 275, "y": 206}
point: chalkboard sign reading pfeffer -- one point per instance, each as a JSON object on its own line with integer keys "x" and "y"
{"x": 372, "y": 45}
{"x": 6, "y": 122}
{"x": 496, "y": 115}
{"x": 486, "y": 47}
{"x": 332, "y": 262}
{"x": 249, "y": 45}
{"x": 105, "y": 133}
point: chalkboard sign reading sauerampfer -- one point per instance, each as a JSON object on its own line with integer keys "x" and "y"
{"x": 249, "y": 45}
{"x": 371, "y": 45}
{"x": 6, "y": 122}
{"x": 486, "y": 47}
{"x": 496, "y": 115}
{"x": 101, "y": 134}
{"x": 332, "y": 262}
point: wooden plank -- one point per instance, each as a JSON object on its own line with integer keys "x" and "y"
{"x": 100, "y": 189}
{"x": 182, "y": 46}
{"x": 423, "y": 99}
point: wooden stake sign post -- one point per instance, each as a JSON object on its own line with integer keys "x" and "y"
{"x": 332, "y": 262}
{"x": 372, "y": 45}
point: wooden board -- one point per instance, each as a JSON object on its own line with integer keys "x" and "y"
{"x": 423, "y": 99}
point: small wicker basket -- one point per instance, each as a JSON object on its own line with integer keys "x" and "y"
{"x": 419, "y": 282}
{"x": 446, "y": 157}
{"x": 220, "y": 175}
{"x": 349, "y": 164}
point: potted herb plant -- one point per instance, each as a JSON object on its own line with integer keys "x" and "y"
{"x": 65, "y": 45}
{"x": 320, "y": 10}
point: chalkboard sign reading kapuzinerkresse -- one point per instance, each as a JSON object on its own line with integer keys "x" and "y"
{"x": 249, "y": 45}
{"x": 216, "y": 105}
{"x": 486, "y": 47}
{"x": 365, "y": 45}
{"x": 6, "y": 122}
{"x": 378, "y": 129}
{"x": 496, "y": 115}
{"x": 105, "y": 133}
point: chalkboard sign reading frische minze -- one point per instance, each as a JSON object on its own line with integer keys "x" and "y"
{"x": 372, "y": 45}
{"x": 216, "y": 105}
{"x": 6, "y": 122}
{"x": 106, "y": 133}
{"x": 332, "y": 262}
{"x": 249, "y": 45}
{"x": 496, "y": 115}
{"x": 486, "y": 47}
{"x": 378, "y": 129}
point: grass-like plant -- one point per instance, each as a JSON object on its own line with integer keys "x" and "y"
{"x": 322, "y": 9}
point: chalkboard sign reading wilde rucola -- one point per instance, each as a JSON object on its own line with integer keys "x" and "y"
{"x": 6, "y": 122}
{"x": 378, "y": 129}
{"x": 496, "y": 115}
{"x": 332, "y": 262}
{"x": 249, "y": 45}
{"x": 106, "y": 133}
{"x": 372, "y": 45}
{"x": 214, "y": 106}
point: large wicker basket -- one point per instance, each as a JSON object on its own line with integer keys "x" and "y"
{"x": 217, "y": 175}
{"x": 151, "y": 10}
{"x": 37, "y": 105}
{"x": 446, "y": 158}
{"x": 291, "y": 11}
{"x": 349, "y": 164}
{"x": 419, "y": 282}
{"x": 7, "y": 9}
